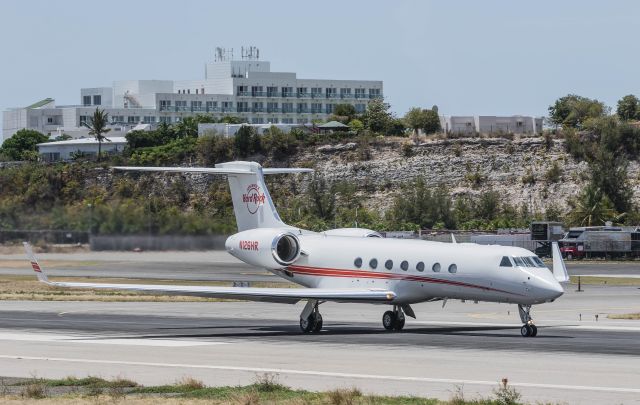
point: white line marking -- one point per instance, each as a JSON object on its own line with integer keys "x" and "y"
{"x": 325, "y": 374}
{"x": 117, "y": 340}
{"x": 554, "y": 325}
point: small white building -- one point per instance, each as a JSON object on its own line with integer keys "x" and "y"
{"x": 491, "y": 124}
{"x": 231, "y": 129}
{"x": 66, "y": 150}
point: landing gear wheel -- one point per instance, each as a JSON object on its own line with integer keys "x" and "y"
{"x": 389, "y": 320}
{"x": 318, "y": 322}
{"x": 534, "y": 330}
{"x": 525, "y": 331}
{"x": 307, "y": 324}
{"x": 399, "y": 323}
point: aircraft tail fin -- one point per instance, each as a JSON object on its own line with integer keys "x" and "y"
{"x": 34, "y": 264}
{"x": 252, "y": 204}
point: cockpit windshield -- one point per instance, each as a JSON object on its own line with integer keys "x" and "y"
{"x": 529, "y": 261}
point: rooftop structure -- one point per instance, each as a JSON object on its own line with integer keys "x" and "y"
{"x": 245, "y": 88}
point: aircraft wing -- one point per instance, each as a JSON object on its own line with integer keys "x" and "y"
{"x": 281, "y": 295}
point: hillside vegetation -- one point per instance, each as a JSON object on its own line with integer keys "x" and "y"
{"x": 378, "y": 174}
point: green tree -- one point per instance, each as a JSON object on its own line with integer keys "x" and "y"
{"x": 244, "y": 141}
{"x": 344, "y": 112}
{"x": 628, "y": 108}
{"x": 19, "y": 146}
{"x": 356, "y": 125}
{"x": 98, "y": 128}
{"x": 427, "y": 120}
{"x": 572, "y": 110}
{"x": 609, "y": 176}
{"x": 592, "y": 207}
{"x": 377, "y": 116}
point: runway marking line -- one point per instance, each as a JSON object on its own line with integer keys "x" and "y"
{"x": 112, "y": 340}
{"x": 325, "y": 374}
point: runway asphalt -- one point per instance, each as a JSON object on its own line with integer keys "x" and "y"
{"x": 464, "y": 344}
{"x": 580, "y": 356}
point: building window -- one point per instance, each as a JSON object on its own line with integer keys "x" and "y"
{"x": 273, "y": 120}
{"x": 388, "y": 264}
{"x": 257, "y": 120}
{"x": 165, "y": 105}
{"x": 358, "y": 262}
{"x": 49, "y": 120}
{"x": 242, "y": 106}
{"x": 242, "y": 90}
{"x": 256, "y": 91}
{"x": 133, "y": 119}
{"x": 302, "y": 121}
{"x": 258, "y": 107}
{"x": 453, "y": 268}
{"x": 360, "y": 93}
{"x": 420, "y": 266}
{"x": 272, "y": 107}
{"x": 331, "y": 92}
{"x": 227, "y": 106}
{"x": 329, "y": 108}
{"x": 316, "y": 108}
{"x": 272, "y": 91}
{"x": 361, "y": 108}
{"x": 316, "y": 92}
{"x": 287, "y": 107}
{"x": 436, "y": 268}
{"x": 345, "y": 92}
{"x": 196, "y": 106}
{"x": 287, "y": 92}
{"x": 83, "y": 119}
{"x": 181, "y": 105}
{"x": 86, "y": 100}
{"x": 149, "y": 119}
{"x": 301, "y": 92}
{"x": 97, "y": 100}
{"x": 211, "y": 105}
{"x": 373, "y": 263}
{"x": 302, "y": 108}
{"x": 374, "y": 93}
{"x": 287, "y": 120}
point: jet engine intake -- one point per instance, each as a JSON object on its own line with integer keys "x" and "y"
{"x": 265, "y": 247}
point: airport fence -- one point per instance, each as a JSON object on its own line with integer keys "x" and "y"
{"x": 157, "y": 242}
{"x": 44, "y": 237}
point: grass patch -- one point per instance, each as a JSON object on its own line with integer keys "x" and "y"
{"x": 634, "y": 316}
{"x": 266, "y": 389}
{"x": 596, "y": 280}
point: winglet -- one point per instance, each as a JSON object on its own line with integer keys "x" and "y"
{"x": 453, "y": 238}
{"x": 34, "y": 263}
{"x": 559, "y": 269}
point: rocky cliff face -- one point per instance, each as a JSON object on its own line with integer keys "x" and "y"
{"x": 517, "y": 169}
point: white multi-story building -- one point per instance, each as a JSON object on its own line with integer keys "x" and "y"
{"x": 246, "y": 89}
{"x": 490, "y": 124}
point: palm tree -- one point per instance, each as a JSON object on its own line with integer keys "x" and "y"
{"x": 98, "y": 127}
{"x": 593, "y": 207}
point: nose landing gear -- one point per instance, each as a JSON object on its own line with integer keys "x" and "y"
{"x": 393, "y": 320}
{"x": 528, "y": 329}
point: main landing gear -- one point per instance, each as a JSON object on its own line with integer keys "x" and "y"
{"x": 310, "y": 319}
{"x": 528, "y": 329}
{"x": 393, "y": 320}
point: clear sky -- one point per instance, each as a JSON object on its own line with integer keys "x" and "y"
{"x": 467, "y": 57}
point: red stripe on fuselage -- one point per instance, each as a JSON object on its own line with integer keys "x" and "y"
{"x": 328, "y": 272}
{"x": 36, "y": 267}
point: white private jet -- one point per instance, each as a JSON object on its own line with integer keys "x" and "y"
{"x": 357, "y": 265}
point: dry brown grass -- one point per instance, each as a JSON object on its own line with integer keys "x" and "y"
{"x": 29, "y": 288}
{"x": 632, "y": 316}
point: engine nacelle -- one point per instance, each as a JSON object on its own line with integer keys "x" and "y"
{"x": 354, "y": 232}
{"x": 264, "y": 247}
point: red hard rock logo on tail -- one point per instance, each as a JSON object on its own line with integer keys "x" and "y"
{"x": 254, "y": 198}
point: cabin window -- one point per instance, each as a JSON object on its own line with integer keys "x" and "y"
{"x": 519, "y": 262}
{"x": 404, "y": 265}
{"x": 373, "y": 263}
{"x": 505, "y": 262}
{"x": 436, "y": 267}
{"x": 453, "y": 268}
{"x": 537, "y": 261}
{"x": 388, "y": 264}
{"x": 420, "y": 266}
{"x": 528, "y": 262}
{"x": 358, "y": 262}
